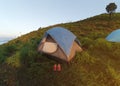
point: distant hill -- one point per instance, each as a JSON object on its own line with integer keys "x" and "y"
{"x": 97, "y": 65}
{"x": 5, "y": 39}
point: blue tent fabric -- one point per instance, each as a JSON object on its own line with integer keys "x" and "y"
{"x": 114, "y": 36}
{"x": 63, "y": 38}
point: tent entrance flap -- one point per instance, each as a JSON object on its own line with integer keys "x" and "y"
{"x": 49, "y": 47}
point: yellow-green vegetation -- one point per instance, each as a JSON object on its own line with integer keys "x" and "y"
{"x": 97, "y": 65}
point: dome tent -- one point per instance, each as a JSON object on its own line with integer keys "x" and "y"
{"x": 60, "y": 43}
{"x": 114, "y": 36}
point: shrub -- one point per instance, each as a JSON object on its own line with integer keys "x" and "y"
{"x": 24, "y": 55}
{"x": 116, "y": 53}
{"x": 2, "y": 58}
{"x": 114, "y": 76}
{"x": 86, "y": 42}
{"x": 85, "y": 57}
{"x": 10, "y": 49}
{"x": 28, "y": 55}
{"x": 14, "y": 60}
{"x": 102, "y": 45}
{"x": 2, "y": 54}
{"x": 96, "y": 35}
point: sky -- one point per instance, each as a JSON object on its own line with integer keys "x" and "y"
{"x": 19, "y": 17}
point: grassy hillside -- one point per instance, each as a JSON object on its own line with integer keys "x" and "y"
{"x": 97, "y": 65}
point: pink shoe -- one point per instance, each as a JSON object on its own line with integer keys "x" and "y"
{"x": 54, "y": 67}
{"x": 59, "y": 67}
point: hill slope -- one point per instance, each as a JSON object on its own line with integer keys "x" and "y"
{"x": 97, "y": 65}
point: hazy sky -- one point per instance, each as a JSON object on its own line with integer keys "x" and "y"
{"x": 22, "y": 16}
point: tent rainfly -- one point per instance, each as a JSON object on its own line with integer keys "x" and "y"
{"x": 114, "y": 36}
{"x": 59, "y": 43}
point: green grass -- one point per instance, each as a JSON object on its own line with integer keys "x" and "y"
{"x": 97, "y": 65}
